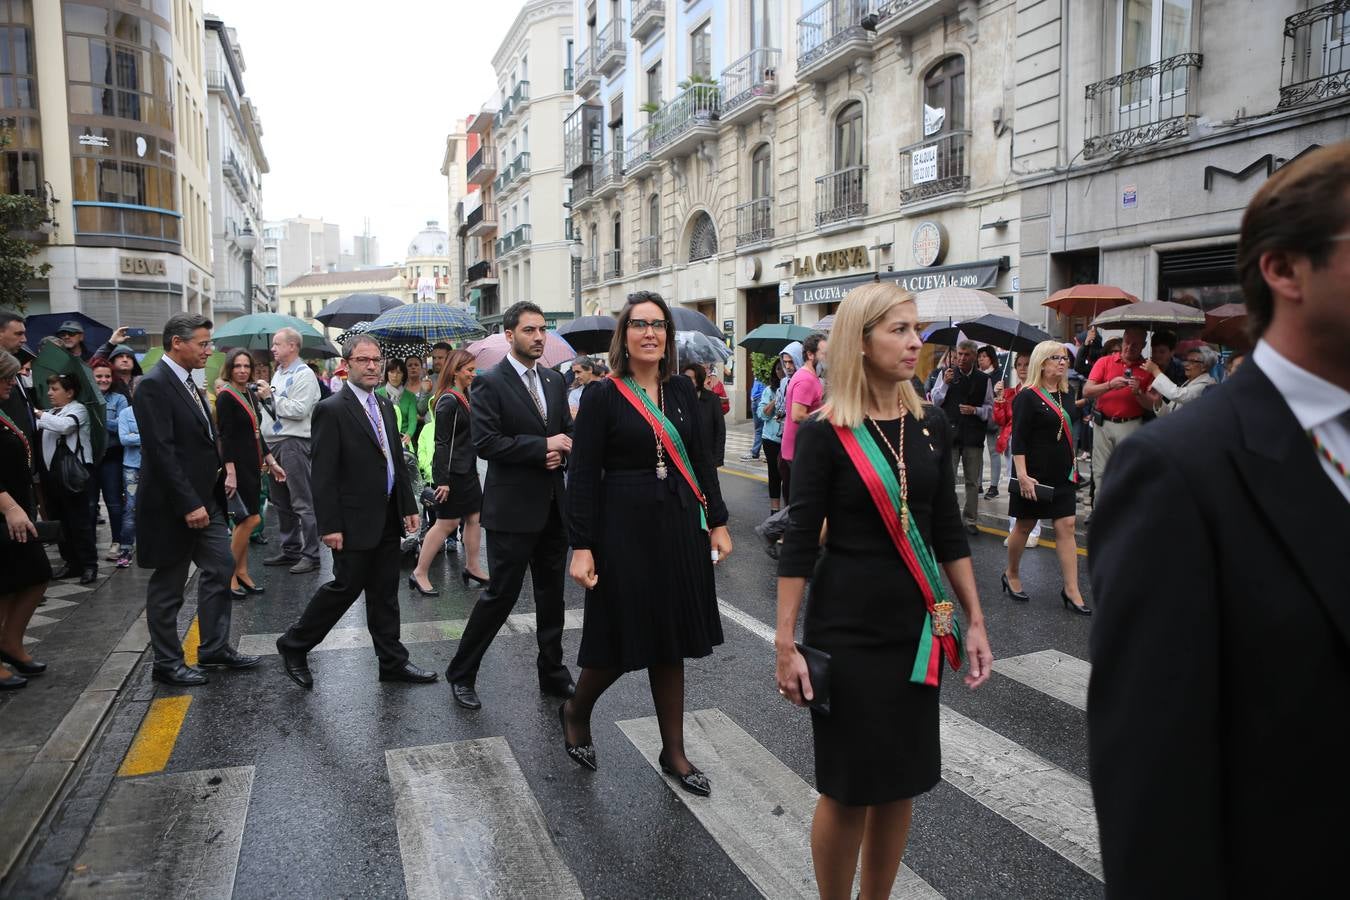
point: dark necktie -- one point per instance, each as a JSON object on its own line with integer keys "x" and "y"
{"x": 199, "y": 401}
{"x": 532, "y": 377}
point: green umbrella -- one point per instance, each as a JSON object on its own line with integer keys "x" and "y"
{"x": 53, "y": 359}
{"x": 255, "y": 332}
{"x": 771, "y": 339}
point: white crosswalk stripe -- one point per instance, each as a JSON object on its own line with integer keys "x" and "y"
{"x": 760, "y": 810}
{"x": 1059, "y": 675}
{"x": 463, "y": 810}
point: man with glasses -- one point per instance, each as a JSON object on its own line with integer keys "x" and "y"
{"x": 294, "y": 392}
{"x": 1117, "y": 384}
{"x": 358, "y": 473}
{"x": 966, "y": 395}
{"x": 522, "y": 426}
{"x": 180, "y": 507}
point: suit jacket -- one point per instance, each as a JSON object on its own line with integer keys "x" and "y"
{"x": 19, "y": 407}
{"x": 347, "y": 471}
{"x": 181, "y": 468}
{"x": 507, "y": 432}
{"x": 1221, "y": 654}
{"x": 454, "y": 454}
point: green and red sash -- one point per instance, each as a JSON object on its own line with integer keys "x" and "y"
{"x": 460, "y": 397}
{"x": 879, "y": 478}
{"x": 1064, "y": 422}
{"x": 252, "y": 417}
{"x": 669, "y": 437}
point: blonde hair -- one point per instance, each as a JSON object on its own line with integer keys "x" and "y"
{"x": 1044, "y": 350}
{"x": 860, "y": 312}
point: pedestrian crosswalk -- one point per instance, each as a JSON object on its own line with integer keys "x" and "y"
{"x": 60, "y": 600}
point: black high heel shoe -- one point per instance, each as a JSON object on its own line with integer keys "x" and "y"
{"x": 251, "y": 588}
{"x": 412, "y": 583}
{"x": 466, "y": 576}
{"x": 581, "y": 754}
{"x": 693, "y": 781}
{"x": 1019, "y": 596}
{"x": 238, "y": 593}
{"x": 32, "y": 667}
{"x": 1072, "y": 607}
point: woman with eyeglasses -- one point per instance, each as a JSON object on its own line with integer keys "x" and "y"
{"x": 647, "y": 524}
{"x": 246, "y": 460}
{"x": 1197, "y": 364}
{"x": 395, "y": 389}
{"x": 1044, "y": 457}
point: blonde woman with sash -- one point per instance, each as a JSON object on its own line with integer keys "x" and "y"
{"x": 875, "y": 463}
{"x": 246, "y": 459}
{"x": 647, "y": 524}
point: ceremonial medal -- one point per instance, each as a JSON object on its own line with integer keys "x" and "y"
{"x": 942, "y": 618}
{"x": 661, "y": 470}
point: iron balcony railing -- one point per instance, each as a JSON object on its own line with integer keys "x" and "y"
{"x": 479, "y": 271}
{"x": 638, "y": 148}
{"x": 1143, "y": 106}
{"x": 581, "y": 137}
{"x": 584, "y": 72}
{"x": 649, "y": 253}
{"x": 611, "y": 44}
{"x": 648, "y": 16}
{"x": 934, "y": 167}
{"x": 517, "y": 167}
{"x": 696, "y": 105}
{"x": 521, "y": 94}
{"x": 476, "y": 161}
{"x": 826, "y": 26}
{"x": 613, "y": 264}
{"x": 513, "y": 240}
{"x": 568, "y": 83}
{"x": 1315, "y": 65}
{"x": 608, "y": 172}
{"x": 229, "y": 301}
{"x": 590, "y": 272}
{"x": 753, "y": 75}
{"x": 486, "y": 213}
{"x": 841, "y": 195}
{"x": 754, "y": 221}
{"x": 502, "y": 115}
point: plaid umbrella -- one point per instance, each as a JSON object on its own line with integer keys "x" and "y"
{"x": 390, "y": 349}
{"x": 429, "y": 322}
{"x": 492, "y": 350}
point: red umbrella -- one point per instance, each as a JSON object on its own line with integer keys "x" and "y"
{"x": 1088, "y": 299}
{"x": 1227, "y": 325}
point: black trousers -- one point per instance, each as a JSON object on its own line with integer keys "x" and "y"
{"x": 373, "y": 571}
{"x": 77, "y": 522}
{"x": 210, "y": 550}
{"x": 785, "y": 477}
{"x": 771, "y": 451}
{"x": 509, "y": 554}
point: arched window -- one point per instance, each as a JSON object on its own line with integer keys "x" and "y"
{"x": 761, "y": 175}
{"x": 654, "y": 215}
{"x": 944, "y": 97}
{"x": 702, "y": 237}
{"x": 848, "y": 137}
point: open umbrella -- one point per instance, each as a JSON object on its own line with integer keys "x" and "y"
{"x": 492, "y": 349}
{"x": 1006, "y": 332}
{"x": 695, "y": 346}
{"x": 255, "y": 332}
{"x": 1151, "y": 314}
{"x": 589, "y": 334}
{"x": 956, "y": 304}
{"x": 825, "y": 324}
{"x": 430, "y": 322}
{"x": 389, "y": 349}
{"x": 1227, "y": 325}
{"x": 43, "y": 325}
{"x": 692, "y": 320}
{"x": 771, "y": 339}
{"x": 946, "y": 335}
{"x": 1088, "y": 299}
{"x": 345, "y": 312}
{"x": 53, "y": 359}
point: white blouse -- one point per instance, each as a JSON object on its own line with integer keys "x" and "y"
{"x": 65, "y": 420}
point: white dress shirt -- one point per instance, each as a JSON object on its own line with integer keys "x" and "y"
{"x": 1320, "y": 407}
{"x": 183, "y": 375}
{"x": 521, "y": 369}
{"x": 295, "y": 391}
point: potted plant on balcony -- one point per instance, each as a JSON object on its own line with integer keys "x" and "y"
{"x": 706, "y": 86}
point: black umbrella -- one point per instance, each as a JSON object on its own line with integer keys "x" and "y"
{"x": 96, "y": 334}
{"x": 692, "y": 320}
{"x": 589, "y": 334}
{"x": 1006, "y": 332}
{"x": 345, "y": 312}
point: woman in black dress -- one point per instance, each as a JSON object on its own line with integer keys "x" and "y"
{"x": 246, "y": 460}
{"x": 647, "y": 524}
{"x": 24, "y": 576}
{"x": 1043, "y": 453}
{"x": 454, "y": 476}
{"x": 712, "y": 425}
{"x": 877, "y": 747}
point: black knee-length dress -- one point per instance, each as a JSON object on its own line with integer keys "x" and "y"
{"x": 1038, "y": 433}
{"x": 242, "y": 443}
{"x": 879, "y": 743}
{"x": 656, "y": 599}
{"x": 25, "y": 563}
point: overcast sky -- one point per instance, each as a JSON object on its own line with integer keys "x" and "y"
{"x": 355, "y": 109}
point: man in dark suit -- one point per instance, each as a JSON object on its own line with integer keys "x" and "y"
{"x": 363, "y": 502}
{"x": 180, "y": 507}
{"x": 1221, "y": 642}
{"x": 523, "y": 428}
{"x": 19, "y": 406}
{"x": 966, "y": 395}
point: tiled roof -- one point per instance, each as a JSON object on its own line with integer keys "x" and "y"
{"x": 363, "y": 276}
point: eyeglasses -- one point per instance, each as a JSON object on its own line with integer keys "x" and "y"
{"x": 1193, "y": 362}
{"x": 366, "y": 360}
{"x": 1058, "y": 358}
{"x": 656, "y": 325}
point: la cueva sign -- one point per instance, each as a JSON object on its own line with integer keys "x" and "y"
{"x": 831, "y": 261}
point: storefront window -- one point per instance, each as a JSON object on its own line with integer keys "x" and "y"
{"x": 21, "y": 159}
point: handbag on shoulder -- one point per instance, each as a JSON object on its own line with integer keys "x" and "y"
{"x": 69, "y": 472}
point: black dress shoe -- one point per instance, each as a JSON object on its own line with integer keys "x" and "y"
{"x": 229, "y": 659}
{"x": 32, "y": 667}
{"x": 1019, "y": 596}
{"x": 238, "y": 593}
{"x": 251, "y": 588}
{"x": 13, "y": 683}
{"x": 581, "y": 754}
{"x": 465, "y": 696}
{"x": 1083, "y": 610}
{"x": 281, "y": 559}
{"x": 89, "y": 576}
{"x": 183, "y": 676}
{"x": 412, "y": 583}
{"x": 466, "y": 576}
{"x": 971, "y": 528}
{"x": 66, "y": 571}
{"x": 693, "y": 781}
{"x": 297, "y": 666}
{"x": 409, "y": 673}
{"x": 563, "y": 689}
{"x": 257, "y": 539}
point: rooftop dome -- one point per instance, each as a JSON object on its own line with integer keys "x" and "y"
{"x": 430, "y": 241}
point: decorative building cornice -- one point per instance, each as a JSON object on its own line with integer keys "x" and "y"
{"x": 531, "y": 14}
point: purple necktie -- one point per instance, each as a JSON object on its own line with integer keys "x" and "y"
{"x": 373, "y": 413}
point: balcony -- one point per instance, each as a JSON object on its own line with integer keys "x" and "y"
{"x": 1142, "y": 107}
{"x": 228, "y": 301}
{"x": 831, "y": 37}
{"x": 613, "y": 264}
{"x": 482, "y": 222}
{"x": 482, "y": 166}
{"x": 908, "y": 17}
{"x": 637, "y": 154}
{"x": 608, "y": 175}
{"x": 1315, "y": 65}
{"x": 581, "y": 138}
{"x": 587, "y": 75}
{"x": 480, "y": 274}
{"x": 234, "y": 174}
{"x": 935, "y": 167}
{"x": 685, "y": 122}
{"x": 749, "y": 84}
{"x": 590, "y": 272}
{"x": 514, "y": 240}
{"x": 611, "y": 47}
{"x": 649, "y": 253}
{"x": 568, "y": 82}
{"x": 520, "y": 97}
{"x": 482, "y": 123}
{"x": 754, "y": 221}
{"x": 841, "y": 196}
{"x": 503, "y": 115}
{"x": 583, "y": 189}
{"x": 514, "y": 174}
{"x": 649, "y": 17}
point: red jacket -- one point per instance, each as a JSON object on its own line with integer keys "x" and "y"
{"x": 1003, "y": 416}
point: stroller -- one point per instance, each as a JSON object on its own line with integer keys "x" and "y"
{"x": 426, "y": 500}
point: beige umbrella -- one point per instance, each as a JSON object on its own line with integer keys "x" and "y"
{"x": 1151, "y": 314}
{"x": 957, "y": 304}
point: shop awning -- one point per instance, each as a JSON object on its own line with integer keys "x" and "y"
{"x": 980, "y": 275}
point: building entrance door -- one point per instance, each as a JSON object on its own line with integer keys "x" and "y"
{"x": 761, "y": 308}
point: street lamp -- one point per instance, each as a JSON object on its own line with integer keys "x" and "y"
{"x": 575, "y": 250}
{"x": 247, "y": 241}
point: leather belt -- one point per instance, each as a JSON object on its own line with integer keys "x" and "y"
{"x": 1121, "y": 421}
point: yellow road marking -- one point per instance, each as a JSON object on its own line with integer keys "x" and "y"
{"x": 759, "y": 478}
{"x": 191, "y": 641}
{"x": 154, "y": 743}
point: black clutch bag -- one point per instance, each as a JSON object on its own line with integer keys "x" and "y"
{"x": 818, "y": 668}
{"x": 47, "y": 533}
{"x": 1044, "y": 492}
{"x": 236, "y": 508}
